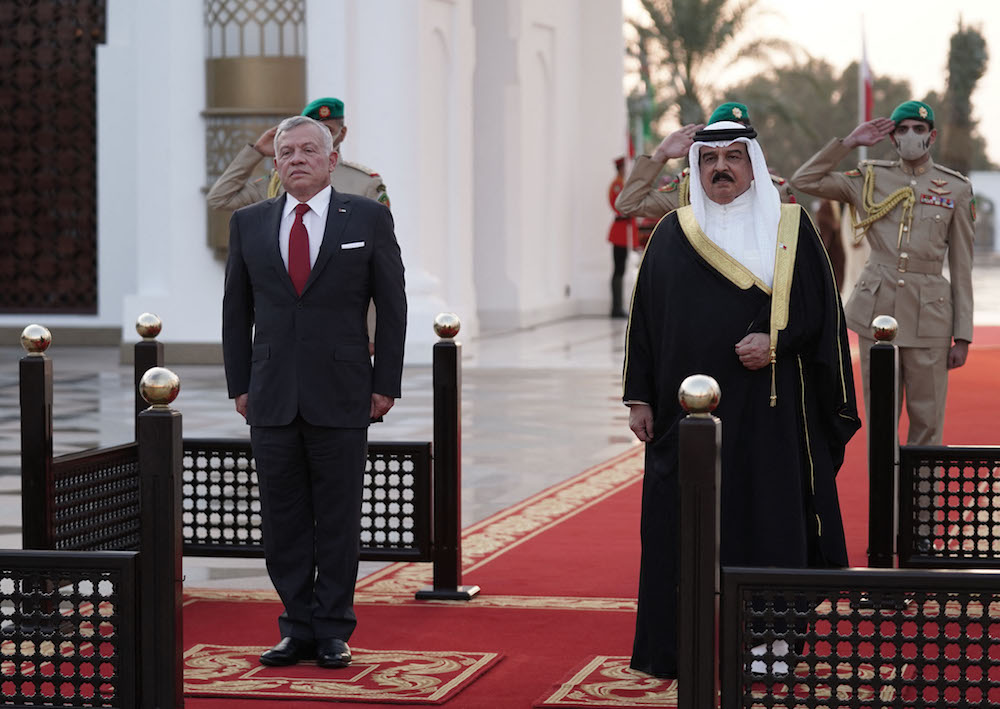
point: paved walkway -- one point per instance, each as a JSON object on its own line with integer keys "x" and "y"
{"x": 539, "y": 405}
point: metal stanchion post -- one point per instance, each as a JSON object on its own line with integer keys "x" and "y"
{"x": 447, "y": 488}
{"x": 883, "y": 443}
{"x": 161, "y": 546}
{"x": 35, "y": 382}
{"x": 148, "y": 354}
{"x": 700, "y": 475}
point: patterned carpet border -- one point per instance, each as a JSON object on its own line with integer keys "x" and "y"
{"x": 607, "y": 682}
{"x": 504, "y": 531}
{"x": 377, "y": 676}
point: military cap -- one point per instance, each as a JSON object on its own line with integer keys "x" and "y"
{"x": 731, "y": 111}
{"x": 323, "y": 109}
{"x": 917, "y": 110}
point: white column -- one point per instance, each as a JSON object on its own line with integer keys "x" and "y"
{"x": 162, "y": 93}
{"x": 407, "y": 92}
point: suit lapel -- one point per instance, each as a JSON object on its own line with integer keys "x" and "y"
{"x": 270, "y": 225}
{"x": 337, "y": 215}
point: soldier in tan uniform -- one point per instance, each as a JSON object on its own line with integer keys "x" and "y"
{"x": 916, "y": 214}
{"x": 235, "y": 188}
{"x": 641, "y": 198}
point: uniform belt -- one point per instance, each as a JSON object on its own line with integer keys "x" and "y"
{"x": 905, "y": 264}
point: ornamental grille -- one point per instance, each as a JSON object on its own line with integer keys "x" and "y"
{"x": 96, "y": 502}
{"x": 226, "y": 135}
{"x": 48, "y": 185}
{"x": 856, "y": 638}
{"x": 242, "y": 28}
{"x": 949, "y": 507}
{"x": 67, "y": 629}
{"x": 221, "y": 511}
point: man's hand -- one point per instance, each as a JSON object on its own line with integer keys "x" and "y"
{"x": 265, "y": 143}
{"x": 958, "y": 353}
{"x": 381, "y": 405}
{"x": 677, "y": 144}
{"x": 869, "y": 133}
{"x": 754, "y": 350}
{"x": 640, "y": 420}
{"x": 241, "y": 404}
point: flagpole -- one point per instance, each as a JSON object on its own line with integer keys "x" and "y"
{"x": 863, "y": 74}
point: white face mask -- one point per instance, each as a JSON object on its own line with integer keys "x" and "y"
{"x": 912, "y": 146}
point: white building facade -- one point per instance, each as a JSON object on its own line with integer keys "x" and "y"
{"x": 494, "y": 124}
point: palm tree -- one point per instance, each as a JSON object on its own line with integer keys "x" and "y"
{"x": 678, "y": 44}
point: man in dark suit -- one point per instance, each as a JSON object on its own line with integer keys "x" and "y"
{"x": 301, "y": 270}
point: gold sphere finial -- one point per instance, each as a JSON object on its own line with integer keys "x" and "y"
{"x": 699, "y": 394}
{"x": 35, "y": 339}
{"x": 159, "y": 386}
{"x": 447, "y": 325}
{"x": 884, "y": 328}
{"x": 148, "y": 326}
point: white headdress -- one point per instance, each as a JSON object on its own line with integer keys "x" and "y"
{"x": 766, "y": 204}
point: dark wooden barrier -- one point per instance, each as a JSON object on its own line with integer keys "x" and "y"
{"x": 930, "y": 506}
{"x": 861, "y": 638}
{"x": 119, "y": 499}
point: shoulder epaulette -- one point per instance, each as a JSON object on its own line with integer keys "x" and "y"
{"x": 956, "y": 173}
{"x": 359, "y": 167}
{"x": 778, "y": 179}
{"x": 853, "y": 173}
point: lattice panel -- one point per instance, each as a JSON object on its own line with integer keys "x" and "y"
{"x": 225, "y": 136}
{"x": 48, "y": 187}
{"x": 395, "y": 506}
{"x": 222, "y": 513}
{"x": 240, "y": 28}
{"x": 221, "y": 501}
{"x": 907, "y": 640}
{"x": 67, "y": 630}
{"x": 950, "y": 507}
{"x": 96, "y": 502}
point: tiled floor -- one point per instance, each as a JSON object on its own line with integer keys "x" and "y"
{"x": 539, "y": 405}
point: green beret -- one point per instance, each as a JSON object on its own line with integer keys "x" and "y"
{"x": 917, "y": 110}
{"x": 324, "y": 108}
{"x": 731, "y": 111}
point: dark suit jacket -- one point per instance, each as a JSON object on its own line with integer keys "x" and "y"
{"x": 308, "y": 354}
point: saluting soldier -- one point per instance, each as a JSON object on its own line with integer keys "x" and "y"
{"x": 640, "y": 197}
{"x": 235, "y": 188}
{"x": 915, "y": 214}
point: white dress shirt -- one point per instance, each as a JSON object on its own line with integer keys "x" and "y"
{"x": 314, "y": 221}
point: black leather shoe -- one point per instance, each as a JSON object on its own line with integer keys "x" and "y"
{"x": 332, "y": 653}
{"x": 288, "y": 652}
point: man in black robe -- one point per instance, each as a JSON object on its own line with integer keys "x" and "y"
{"x": 739, "y": 287}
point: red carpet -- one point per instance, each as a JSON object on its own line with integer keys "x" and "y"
{"x": 558, "y": 572}
{"x": 553, "y": 625}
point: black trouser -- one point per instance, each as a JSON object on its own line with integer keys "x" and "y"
{"x": 619, "y": 255}
{"x": 311, "y": 480}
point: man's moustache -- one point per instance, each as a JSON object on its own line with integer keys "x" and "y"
{"x": 722, "y": 176}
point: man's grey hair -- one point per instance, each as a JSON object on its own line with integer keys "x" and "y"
{"x": 296, "y": 121}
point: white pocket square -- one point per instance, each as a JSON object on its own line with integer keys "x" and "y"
{"x": 352, "y": 245}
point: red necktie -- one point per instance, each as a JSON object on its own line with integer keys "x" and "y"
{"x": 298, "y": 250}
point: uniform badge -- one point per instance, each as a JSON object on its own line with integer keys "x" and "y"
{"x": 939, "y": 183}
{"x": 972, "y": 208}
{"x": 938, "y": 190}
{"x": 383, "y": 197}
{"x": 737, "y": 112}
{"x": 936, "y": 201}
{"x": 853, "y": 173}
{"x": 922, "y": 111}
{"x": 669, "y": 187}
{"x": 324, "y": 112}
